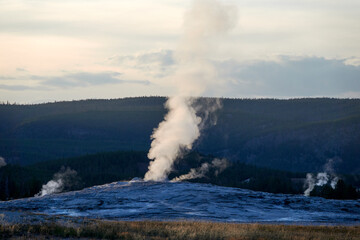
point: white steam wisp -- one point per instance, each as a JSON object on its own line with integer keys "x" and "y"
{"x": 2, "y": 162}
{"x": 62, "y": 179}
{"x": 205, "y": 22}
{"x": 218, "y": 164}
{"x": 322, "y": 178}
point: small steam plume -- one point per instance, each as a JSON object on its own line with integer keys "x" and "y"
{"x": 205, "y": 108}
{"x": 218, "y": 164}
{"x": 194, "y": 173}
{"x": 62, "y": 180}
{"x": 322, "y": 178}
{"x": 204, "y": 23}
{"x": 2, "y": 162}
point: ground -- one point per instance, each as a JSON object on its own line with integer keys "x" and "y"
{"x": 23, "y": 225}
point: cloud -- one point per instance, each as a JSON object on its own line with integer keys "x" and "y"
{"x": 84, "y": 79}
{"x": 291, "y": 76}
{"x": 15, "y": 87}
{"x": 80, "y": 79}
{"x": 7, "y": 78}
{"x": 163, "y": 58}
{"x": 21, "y": 70}
{"x": 70, "y": 80}
{"x": 157, "y": 63}
{"x": 288, "y": 76}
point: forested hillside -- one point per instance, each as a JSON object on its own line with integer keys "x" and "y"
{"x": 102, "y": 168}
{"x": 296, "y": 134}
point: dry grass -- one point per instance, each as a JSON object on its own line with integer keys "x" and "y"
{"x": 177, "y": 230}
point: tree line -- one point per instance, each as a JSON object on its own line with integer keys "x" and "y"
{"x": 96, "y": 169}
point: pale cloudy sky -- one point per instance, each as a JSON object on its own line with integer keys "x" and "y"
{"x": 79, "y": 49}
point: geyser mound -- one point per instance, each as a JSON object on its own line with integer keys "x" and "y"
{"x": 141, "y": 200}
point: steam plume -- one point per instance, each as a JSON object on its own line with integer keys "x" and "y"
{"x": 2, "y": 162}
{"x": 322, "y": 178}
{"x": 61, "y": 180}
{"x": 218, "y": 164}
{"x": 206, "y": 21}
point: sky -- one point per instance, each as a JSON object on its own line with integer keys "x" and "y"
{"x": 52, "y": 50}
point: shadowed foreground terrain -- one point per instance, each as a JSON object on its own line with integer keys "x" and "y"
{"x": 176, "y": 230}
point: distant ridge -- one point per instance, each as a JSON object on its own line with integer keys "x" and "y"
{"x": 294, "y": 134}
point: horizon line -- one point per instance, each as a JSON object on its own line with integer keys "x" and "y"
{"x": 6, "y": 102}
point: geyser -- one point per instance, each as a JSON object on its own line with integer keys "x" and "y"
{"x": 322, "y": 178}
{"x": 61, "y": 180}
{"x": 217, "y": 164}
{"x": 204, "y": 23}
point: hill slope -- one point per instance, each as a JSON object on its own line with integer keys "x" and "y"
{"x": 296, "y": 134}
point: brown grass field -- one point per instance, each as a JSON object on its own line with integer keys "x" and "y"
{"x": 96, "y": 229}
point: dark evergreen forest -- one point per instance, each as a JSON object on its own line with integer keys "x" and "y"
{"x": 291, "y": 135}
{"x": 96, "y": 169}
